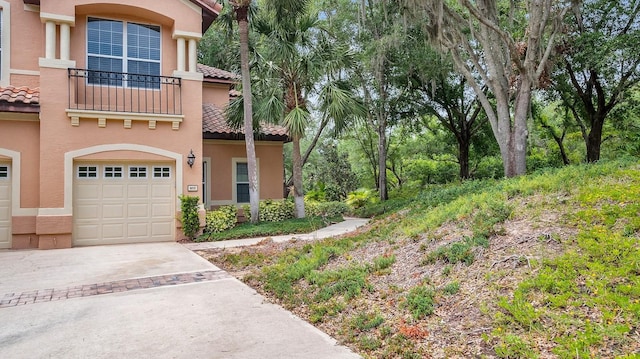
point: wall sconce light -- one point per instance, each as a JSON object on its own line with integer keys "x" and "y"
{"x": 191, "y": 158}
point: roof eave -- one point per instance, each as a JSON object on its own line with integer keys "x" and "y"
{"x": 210, "y": 10}
{"x": 19, "y": 107}
{"x": 240, "y": 137}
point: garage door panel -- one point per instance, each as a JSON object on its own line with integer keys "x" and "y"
{"x": 5, "y": 211}
{"x": 86, "y": 231}
{"x": 5, "y": 205}
{"x": 113, "y": 231}
{"x": 138, "y": 230}
{"x": 162, "y": 191}
{"x": 161, "y": 229}
{"x": 138, "y": 210}
{"x": 113, "y": 211}
{"x": 5, "y": 190}
{"x": 123, "y": 209}
{"x": 87, "y": 192}
{"x": 113, "y": 191}
{"x": 138, "y": 191}
{"x": 161, "y": 210}
{"x": 86, "y": 211}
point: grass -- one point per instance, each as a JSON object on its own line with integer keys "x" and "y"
{"x": 588, "y": 298}
{"x": 264, "y": 229}
{"x": 584, "y": 302}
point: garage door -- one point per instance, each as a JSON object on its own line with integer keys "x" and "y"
{"x": 5, "y": 205}
{"x": 123, "y": 203}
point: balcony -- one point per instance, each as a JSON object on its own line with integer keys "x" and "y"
{"x": 105, "y": 95}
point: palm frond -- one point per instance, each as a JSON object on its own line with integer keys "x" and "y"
{"x": 296, "y": 121}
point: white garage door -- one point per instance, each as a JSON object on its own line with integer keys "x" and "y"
{"x": 5, "y": 205}
{"x": 123, "y": 203}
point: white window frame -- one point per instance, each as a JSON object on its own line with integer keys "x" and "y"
{"x": 125, "y": 51}
{"x": 5, "y": 44}
{"x": 206, "y": 183}
{"x": 113, "y": 172}
{"x": 137, "y": 171}
{"x": 97, "y": 171}
{"x": 5, "y": 172}
{"x": 153, "y": 174}
{"x": 234, "y": 183}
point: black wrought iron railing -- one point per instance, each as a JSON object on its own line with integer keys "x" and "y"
{"x": 124, "y": 92}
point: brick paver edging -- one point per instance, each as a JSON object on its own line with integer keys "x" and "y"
{"x": 48, "y": 295}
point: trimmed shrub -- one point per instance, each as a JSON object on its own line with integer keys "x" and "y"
{"x": 325, "y": 209}
{"x": 190, "y": 220}
{"x": 221, "y": 219}
{"x": 271, "y": 210}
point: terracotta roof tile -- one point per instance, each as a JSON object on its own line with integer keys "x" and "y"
{"x": 213, "y": 121}
{"x": 20, "y": 95}
{"x": 215, "y": 73}
{"x": 235, "y": 93}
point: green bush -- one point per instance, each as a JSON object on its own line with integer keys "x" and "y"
{"x": 325, "y": 209}
{"x": 221, "y": 219}
{"x": 190, "y": 220}
{"x": 281, "y": 210}
{"x": 272, "y": 210}
{"x": 420, "y": 302}
{"x": 361, "y": 197}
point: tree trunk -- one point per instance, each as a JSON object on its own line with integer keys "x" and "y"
{"x": 520, "y": 131}
{"x": 243, "y": 29}
{"x": 382, "y": 160}
{"x": 308, "y": 151}
{"x": 594, "y": 140}
{"x": 463, "y": 157}
{"x": 298, "y": 191}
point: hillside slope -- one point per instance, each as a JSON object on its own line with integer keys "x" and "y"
{"x": 542, "y": 266}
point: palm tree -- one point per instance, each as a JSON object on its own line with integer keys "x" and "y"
{"x": 306, "y": 62}
{"x": 296, "y": 59}
{"x": 242, "y": 10}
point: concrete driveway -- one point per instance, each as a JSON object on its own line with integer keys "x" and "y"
{"x": 155, "y": 300}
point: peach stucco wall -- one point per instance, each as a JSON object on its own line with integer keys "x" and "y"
{"x": 23, "y": 136}
{"x": 270, "y": 165}
{"x": 217, "y": 94}
{"x": 27, "y": 42}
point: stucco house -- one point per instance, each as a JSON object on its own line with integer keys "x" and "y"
{"x": 106, "y": 118}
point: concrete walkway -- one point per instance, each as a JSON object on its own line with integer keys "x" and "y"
{"x": 157, "y": 300}
{"x": 348, "y": 225}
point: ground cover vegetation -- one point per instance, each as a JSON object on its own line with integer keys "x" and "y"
{"x": 543, "y": 265}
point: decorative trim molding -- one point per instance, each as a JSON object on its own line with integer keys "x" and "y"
{"x": 59, "y": 19}
{"x": 56, "y": 63}
{"x": 5, "y": 71}
{"x": 186, "y": 35}
{"x": 24, "y": 72}
{"x": 17, "y": 116}
{"x": 126, "y": 117}
{"x": 32, "y": 8}
{"x": 186, "y": 75}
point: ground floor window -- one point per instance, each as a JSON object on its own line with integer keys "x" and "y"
{"x": 242, "y": 182}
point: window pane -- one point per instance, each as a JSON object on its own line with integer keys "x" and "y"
{"x": 113, "y": 77}
{"x": 141, "y": 40}
{"x": 242, "y": 172}
{"x": 137, "y": 70}
{"x": 102, "y": 34}
{"x": 242, "y": 192}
